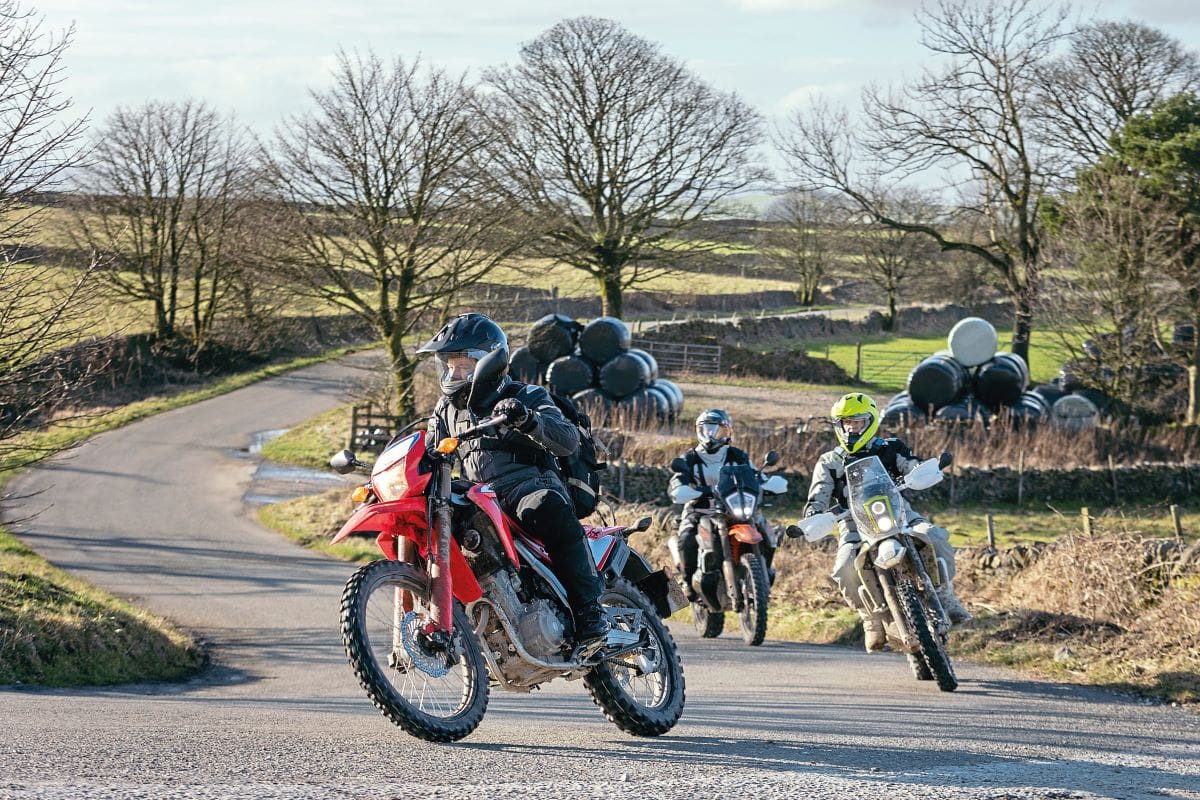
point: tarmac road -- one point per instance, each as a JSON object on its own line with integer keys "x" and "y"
{"x": 155, "y": 512}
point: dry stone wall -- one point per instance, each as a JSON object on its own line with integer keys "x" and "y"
{"x": 976, "y": 486}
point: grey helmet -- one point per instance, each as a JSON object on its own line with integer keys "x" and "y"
{"x": 714, "y": 429}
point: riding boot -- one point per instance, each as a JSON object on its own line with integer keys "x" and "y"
{"x": 874, "y": 637}
{"x": 954, "y": 607}
{"x": 590, "y": 623}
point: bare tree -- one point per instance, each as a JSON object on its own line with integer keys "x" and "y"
{"x": 389, "y": 214}
{"x": 38, "y": 143}
{"x": 167, "y": 189}
{"x": 969, "y": 119}
{"x": 798, "y": 239}
{"x": 1116, "y": 242}
{"x": 892, "y": 256}
{"x": 1113, "y": 71}
{"x": 41, "y": 308}
{"x": 618, "y": 149}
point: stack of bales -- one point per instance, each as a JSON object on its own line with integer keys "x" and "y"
{"x": 595, "y": 366}
{"x": 971, "y": 381}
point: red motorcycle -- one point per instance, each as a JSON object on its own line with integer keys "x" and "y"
{"x": 464, "y": 598}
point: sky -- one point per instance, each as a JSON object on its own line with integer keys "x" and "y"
{"x": 259, "y": 58}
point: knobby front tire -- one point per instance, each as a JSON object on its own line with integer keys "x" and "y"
{"x": 756, "y": 593}
{"x": 437, "y": 708}
{"x": 932, "y": 650}
{"x": 646, "y": 704}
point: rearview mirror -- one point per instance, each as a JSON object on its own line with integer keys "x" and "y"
{"x": 343, "y": 462}
{"x": 642, "y": 524}
{"x": 772, "y": 459}
{"x": 945, "y": 460}
{"x": 679, "y": 465}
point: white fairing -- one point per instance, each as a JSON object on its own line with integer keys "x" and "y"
{"x": 776, "y": 484}
{"x": 684, "y": 494}
{"x": 818, "y": 526}
{"x": 923, "y": 475}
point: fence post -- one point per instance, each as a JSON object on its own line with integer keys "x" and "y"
{"x": 621, "y": 479}
{"x": 1112, "y": 471}
{"x": 1020, "y": 477}
{"x": 991, "y": 530}
{"x": 353, "y": 426}
{"x": 1087, "y": 521}
{"x": 1177, "y": 522}
{"x": 857, "y": 361}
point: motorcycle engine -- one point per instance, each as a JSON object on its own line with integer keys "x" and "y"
{"x": 542, "y": 629}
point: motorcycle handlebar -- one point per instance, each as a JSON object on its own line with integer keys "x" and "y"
{"x": 478, "y": 430}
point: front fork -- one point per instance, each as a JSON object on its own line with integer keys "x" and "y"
{"x": 728, "y": 566}
{"x": 439, "y": 571}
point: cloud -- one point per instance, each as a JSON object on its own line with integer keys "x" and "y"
{"x": 801, "y": 95}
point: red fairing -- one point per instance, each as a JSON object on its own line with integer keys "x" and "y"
{"x": 406, "y": 517}
{"x": 484, "y": 496}
{"x": 406, "y": 454}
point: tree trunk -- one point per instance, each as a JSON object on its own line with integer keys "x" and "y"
{"x": 1022, "y": 326}
{"x": 610, "y": 295}
{"x": 889, "y": 321}
{"x": 403, "y": 369}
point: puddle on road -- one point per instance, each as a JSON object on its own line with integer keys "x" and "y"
{"x": 273, "y": 482}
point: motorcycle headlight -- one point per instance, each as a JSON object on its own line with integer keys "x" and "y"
{"x": 390, "y": 485}
{"x": 889, "y": 553}
{"x": 741, "y": 505}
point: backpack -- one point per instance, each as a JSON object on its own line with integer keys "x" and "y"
{"x": 581, "y": 469}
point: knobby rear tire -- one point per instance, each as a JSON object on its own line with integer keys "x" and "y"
{"x": 610, "y": 685}
{"x": 386, "y": 576}
{"x": 756, "y": 594}
{"x": 932, "y": 650}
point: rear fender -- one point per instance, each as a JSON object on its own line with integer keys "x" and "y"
{"x": 657, "y": 584}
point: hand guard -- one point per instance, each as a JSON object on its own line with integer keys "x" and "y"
{"x": 515, "y": 413}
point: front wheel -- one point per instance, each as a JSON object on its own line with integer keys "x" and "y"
{"x": 756, "y": 592}
{"x": 709, "y": 623}
{"x": 933, "y": 652}
{"x": 434, "y": 690}
{"x": 641, "y": 692}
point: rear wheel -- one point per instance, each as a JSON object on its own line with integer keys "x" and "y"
{"x": 933, "y": 652}
{"x": 756, "y": 592}
{"x": 708, "y": 623}
{"x": 641, "y": 692}
{"x": 434, "y": 690}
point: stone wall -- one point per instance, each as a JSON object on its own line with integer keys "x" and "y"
{"x": 910, "y": 320}
{"x": 976, "y": 486}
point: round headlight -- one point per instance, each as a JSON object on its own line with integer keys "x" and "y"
{"x": 878, "y": 507}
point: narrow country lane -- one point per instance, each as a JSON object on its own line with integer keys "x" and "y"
{"x": 154, "y": 512}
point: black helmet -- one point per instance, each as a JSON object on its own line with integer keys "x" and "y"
{"x": 714, "y": 429}
{"x": 458, "y": 346}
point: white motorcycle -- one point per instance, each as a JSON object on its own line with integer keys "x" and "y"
{"x": 895, "y": 562}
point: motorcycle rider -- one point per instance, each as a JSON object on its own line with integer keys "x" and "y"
{"x": 855, "y": 418}
{"x": 517, "y": 458}
{"x": 714, "y": 432}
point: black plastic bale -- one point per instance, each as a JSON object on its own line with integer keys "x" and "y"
{"x": 937, "y": 381}
{"x": 640, "y": 407}
{"x": 673, "y": 392}
{"x": 623, "y": 375}
{"x": 524, "y": 367}
{"x": 570, "y": 374}
{"x": 1001, "y": 381}
{"x": 649, "y": 359}
{"x": 665, "y": 401}
{"x": 1049, "y": 392}
{"x": 901, "y": 411}
{"x": 604, "y": 338}
{"x": 596, "y": 404}
{"x": 553, "y": 336}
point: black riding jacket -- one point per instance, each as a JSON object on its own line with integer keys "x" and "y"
{"x": 507, "y": 457}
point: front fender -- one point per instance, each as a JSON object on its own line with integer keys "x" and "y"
{"x": 407, "y": 518}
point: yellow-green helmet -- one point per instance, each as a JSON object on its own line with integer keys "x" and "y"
{"x": 848, "y": 413}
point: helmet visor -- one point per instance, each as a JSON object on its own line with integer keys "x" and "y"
{"x": 853, "y": 427}
{"x": 713, "y": 432}
{"x": 455, "y": 370}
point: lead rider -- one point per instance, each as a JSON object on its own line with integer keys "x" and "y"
{"x": 517, "y": 458}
